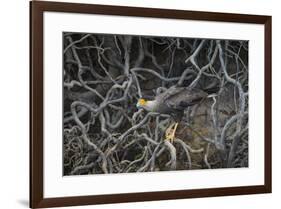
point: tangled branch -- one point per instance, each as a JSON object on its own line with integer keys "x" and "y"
{"x": 105, "y": 75}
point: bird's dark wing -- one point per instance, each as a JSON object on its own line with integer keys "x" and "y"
{"x": 168, "y": 93}
{"x": 179, "y": 98}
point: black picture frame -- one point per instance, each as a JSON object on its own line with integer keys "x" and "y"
{"x": 37, "y": 8}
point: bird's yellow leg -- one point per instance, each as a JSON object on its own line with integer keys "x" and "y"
{"x": 171, "y": 131}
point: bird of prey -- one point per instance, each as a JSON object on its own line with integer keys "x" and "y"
{"x": 173, "y": 102}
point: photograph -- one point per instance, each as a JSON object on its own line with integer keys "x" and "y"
{"x": 138, "y": 103}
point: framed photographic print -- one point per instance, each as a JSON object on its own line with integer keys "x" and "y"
{"x": 138, "y": 104}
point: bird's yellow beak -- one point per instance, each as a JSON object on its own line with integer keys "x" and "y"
{"x": 141, "y": 103}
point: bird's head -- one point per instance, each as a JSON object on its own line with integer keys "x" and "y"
{"x": 146, "y": 104}
{"x": 142, "y": 103}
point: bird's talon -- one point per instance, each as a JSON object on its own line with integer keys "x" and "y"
{"x": 170, "y": 132}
